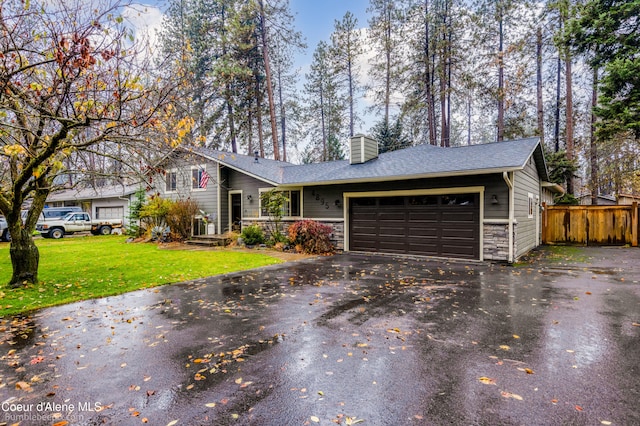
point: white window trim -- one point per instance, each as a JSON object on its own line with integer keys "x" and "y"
{"x": 263, "y": 190}
{"x": 174, "y": 171}
{"x": 197, "y": 167}
{"x": 531, "y": 206}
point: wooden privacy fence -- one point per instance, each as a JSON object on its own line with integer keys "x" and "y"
{"x": 590, "y": 225}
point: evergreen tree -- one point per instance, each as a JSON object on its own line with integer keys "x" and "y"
{"x": 325, "y": 107}
{"x": 387, "y": 38}
{"x": 346, "y": 48}
{"x": 607, "y": 30}
{"x": 390, "y": 137}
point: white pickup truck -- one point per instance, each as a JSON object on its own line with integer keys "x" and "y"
{"x": 76, "y": 222}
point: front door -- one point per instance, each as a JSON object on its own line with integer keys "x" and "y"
{"x": 236, "y": 212}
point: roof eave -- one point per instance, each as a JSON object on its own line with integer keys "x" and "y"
{"x": 236, "y": 168}
{"x": 402, "y": 177}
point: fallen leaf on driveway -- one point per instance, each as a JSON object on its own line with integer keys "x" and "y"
{"x": 315, "y": 419}
{"x": 24, "y": 386}
{"x": 36, "y": 360}
{"x": 504, "y": 347}
{"x": 511, "y": 395}
{"x": 487, "y": 380}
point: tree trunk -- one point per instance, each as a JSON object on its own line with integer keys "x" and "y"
{"x": 259, "y": 116}
{"x": 267, "y": 72}
{"x": 25, "y": 258}
{"x": 387, "y": 83}
{"x": 569, "y": 111}
{"x": 352, "y": 118}
{"x": 593, "y": 148}
{"x": 324, "y": 128}
{"x": 431, "y": 114}
{"x": 539, "y": 85}
{"x": 444, "y": 110}
{"x": 469, "y": 120}
{"x": 283, "y": 122}
{"x": 556, "y": 130}
{"x": 500, "y": 125}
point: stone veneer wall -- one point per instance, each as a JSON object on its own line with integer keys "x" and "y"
{"x": 496, "y": 241}
{"x": 337, "y": 236}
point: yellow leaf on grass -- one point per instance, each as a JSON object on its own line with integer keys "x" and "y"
{"x": 487, "y": 380}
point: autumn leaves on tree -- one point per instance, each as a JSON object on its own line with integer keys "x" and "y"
{"x": 72, "y": 86}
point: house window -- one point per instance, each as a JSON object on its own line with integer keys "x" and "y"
{"x": 199, "y": 178}
{"x": 292, "y": 208}
{"x": 531, "y": 205}
{"x": 171, "y": 180}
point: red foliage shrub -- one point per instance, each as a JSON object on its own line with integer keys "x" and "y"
{"x": 311, "y": 237}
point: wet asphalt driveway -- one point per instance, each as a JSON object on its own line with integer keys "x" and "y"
{"x": 342, "y": 339}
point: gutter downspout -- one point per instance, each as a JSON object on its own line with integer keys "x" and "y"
{"x": 509, "y": 182}
{"x": 218, "y": 199}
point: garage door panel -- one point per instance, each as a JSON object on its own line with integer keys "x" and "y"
{"x": 458, "y": 216}
{"x": 429, "y": 217}
{"x": 424, "y": 232}
{"x": 455, "y": 250}
{"x": 402, "y": 225}
{"x": 455, "y": 233}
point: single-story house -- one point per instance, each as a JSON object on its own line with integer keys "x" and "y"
{"x": 479, "y": 202}
{"x": 107, "y": 202}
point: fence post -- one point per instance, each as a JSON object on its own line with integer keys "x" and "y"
{"x": 634, "y": 224}
{"x": 545, "y": 225}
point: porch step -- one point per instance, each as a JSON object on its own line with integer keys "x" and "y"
{"x": 209, "y": 240}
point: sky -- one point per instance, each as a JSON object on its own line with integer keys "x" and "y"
{"x": 313, "y": 18}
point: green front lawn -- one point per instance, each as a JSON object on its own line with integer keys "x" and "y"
{"x": 82, "y": 268}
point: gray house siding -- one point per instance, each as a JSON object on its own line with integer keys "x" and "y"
{"x": 319, "y": 202}
{"x": 249, "y": 186}
{"x": 527, "y": 189}
{"x": 222, "y": 218}
{"x": 205, "y": 197}
{"x": 493, "y": 184}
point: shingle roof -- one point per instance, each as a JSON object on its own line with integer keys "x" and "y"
{"x": 75, "y": 194}
{"x": 413, "y": 162}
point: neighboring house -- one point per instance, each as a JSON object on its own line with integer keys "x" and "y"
{"x": 109, "y": 202}
{"x": 611, "y": 200}
{"x": 478, "y": 202}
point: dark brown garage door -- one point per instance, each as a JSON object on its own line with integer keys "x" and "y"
{"x": 429, "y": 225}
